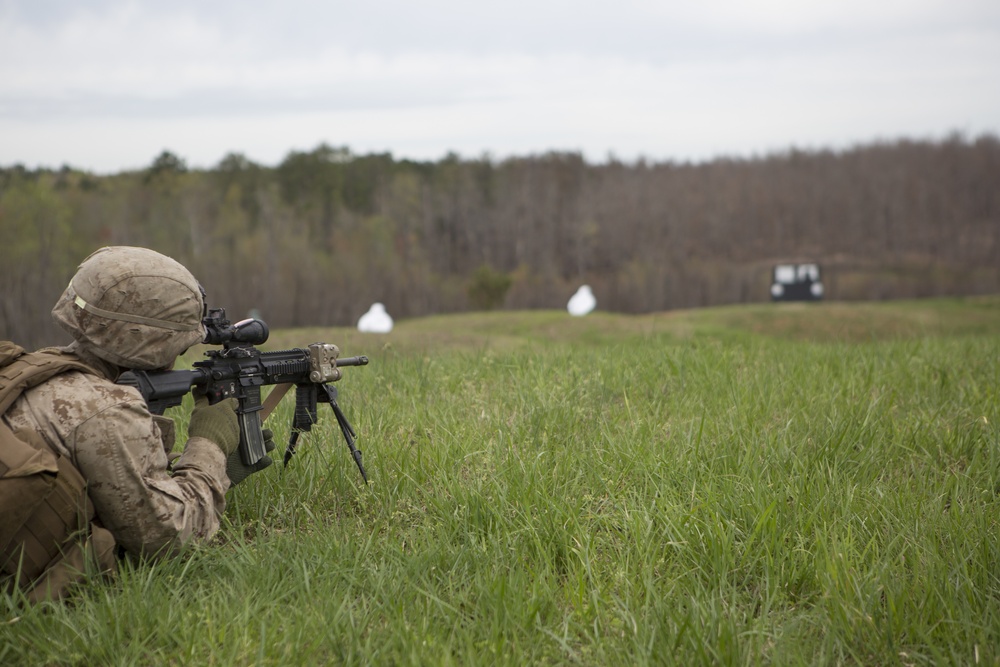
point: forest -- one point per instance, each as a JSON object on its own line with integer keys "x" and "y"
{"x": 315, "y": 240}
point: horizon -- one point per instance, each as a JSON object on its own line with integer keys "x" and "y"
{"x": 610, "y": 159}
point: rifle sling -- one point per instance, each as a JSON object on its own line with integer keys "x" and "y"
{"x": 272, "y": 400}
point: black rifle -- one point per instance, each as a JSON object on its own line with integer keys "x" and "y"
{"x": 239, "y": 370}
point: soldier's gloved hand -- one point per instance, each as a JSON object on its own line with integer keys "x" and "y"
{"x": 217, "y": 423}
{"x": 239, "y": 471}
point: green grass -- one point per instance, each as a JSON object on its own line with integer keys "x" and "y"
{"x": 748, "y": 485}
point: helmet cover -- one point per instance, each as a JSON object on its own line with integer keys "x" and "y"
{"x": 132, "y": 307}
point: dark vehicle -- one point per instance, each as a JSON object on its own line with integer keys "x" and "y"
{"x": 796, "y": 282}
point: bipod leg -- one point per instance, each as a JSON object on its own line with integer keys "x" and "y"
{"x": 345, "y": 427}
{"x": 290, "y": 450}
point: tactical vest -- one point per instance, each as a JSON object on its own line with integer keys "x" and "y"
{"x": 47, "y": 539}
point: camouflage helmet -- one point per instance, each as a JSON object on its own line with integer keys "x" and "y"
{"x": 133, "y": 307}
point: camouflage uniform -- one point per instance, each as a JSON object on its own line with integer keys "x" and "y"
{"x": 121, "y": 450}
{"x": 128, "y": 308}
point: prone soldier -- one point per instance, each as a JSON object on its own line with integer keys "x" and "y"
{"x": 84, "y": 474}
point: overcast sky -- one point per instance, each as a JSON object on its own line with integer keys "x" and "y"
{"x": 106, "y": 85}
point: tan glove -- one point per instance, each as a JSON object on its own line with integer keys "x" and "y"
{"x": 217, "y": 423}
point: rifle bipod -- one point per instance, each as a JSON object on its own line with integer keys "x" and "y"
{"x": 306, "y": 399}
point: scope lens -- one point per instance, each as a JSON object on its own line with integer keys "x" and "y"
{"x": 250, "y": 331}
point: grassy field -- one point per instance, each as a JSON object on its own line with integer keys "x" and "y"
{"x": 772, "y": 484}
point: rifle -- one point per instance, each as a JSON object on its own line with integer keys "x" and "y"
{"x": 239, "y": 370}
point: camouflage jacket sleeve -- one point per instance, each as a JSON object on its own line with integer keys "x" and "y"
{"x": 145, "y": 507}
{"x": 114, "y": 442}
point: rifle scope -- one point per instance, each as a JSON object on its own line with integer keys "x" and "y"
{"x": 219, "y": 331}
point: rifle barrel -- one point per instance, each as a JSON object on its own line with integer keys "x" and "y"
{"x": 353, "y": 361}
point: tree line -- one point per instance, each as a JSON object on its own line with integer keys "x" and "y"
{"x": 316, "y": 239}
